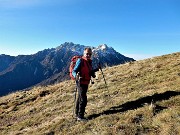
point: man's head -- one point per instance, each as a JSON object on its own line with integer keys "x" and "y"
{"x": 87, "y": 53}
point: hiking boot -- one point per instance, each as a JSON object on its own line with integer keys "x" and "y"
{"x": 81, "y": 119}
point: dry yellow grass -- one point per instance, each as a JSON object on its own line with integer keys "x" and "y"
{"x": 143, "y": 97}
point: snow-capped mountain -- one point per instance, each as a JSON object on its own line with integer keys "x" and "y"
{"x": 104, "y": 54}
{"x": 50, "y": 65}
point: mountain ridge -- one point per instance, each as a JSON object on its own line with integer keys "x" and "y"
{"x": 50, "y": 65}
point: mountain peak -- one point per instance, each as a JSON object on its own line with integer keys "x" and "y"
{"x": 103, "y": 46}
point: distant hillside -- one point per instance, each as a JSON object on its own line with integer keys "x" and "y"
{"x": 5, "y": 61}
{"x": 49, "y": 66}
{"x": 143, "y": 98}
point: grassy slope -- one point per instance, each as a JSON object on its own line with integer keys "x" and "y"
{"x": 143, "y": 97}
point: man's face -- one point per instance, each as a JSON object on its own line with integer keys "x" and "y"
{"x": 87, "y": 54}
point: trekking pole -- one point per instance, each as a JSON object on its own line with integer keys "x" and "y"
{"x": 74, "y": 102}
{"x": 103, "y": 77}
{"x": 77, "y": 80}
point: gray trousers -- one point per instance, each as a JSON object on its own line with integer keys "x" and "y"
{"x": 81, "y": 100}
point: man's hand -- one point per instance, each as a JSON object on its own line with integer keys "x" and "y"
{"x": 78, "y": 76}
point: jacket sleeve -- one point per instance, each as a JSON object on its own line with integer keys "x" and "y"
{"x": 76, "y": 68}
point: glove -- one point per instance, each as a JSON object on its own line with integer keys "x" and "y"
{"x": 93, "y": 74}
{"x": 99, "y": 66}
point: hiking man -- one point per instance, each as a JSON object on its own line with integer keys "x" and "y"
{"x": 83, "y": 71}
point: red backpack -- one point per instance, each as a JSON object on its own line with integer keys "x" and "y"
{"x": 72, "y": 65}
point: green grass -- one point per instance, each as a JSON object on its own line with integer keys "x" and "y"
{"x": 143, "y": 97}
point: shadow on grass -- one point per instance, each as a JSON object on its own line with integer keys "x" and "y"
{"x": 136, "y": 104}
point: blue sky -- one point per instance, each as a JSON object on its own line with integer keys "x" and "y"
{"x": 135, "y": 28}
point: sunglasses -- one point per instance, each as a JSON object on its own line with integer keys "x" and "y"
{"x": 88, "y": 54}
